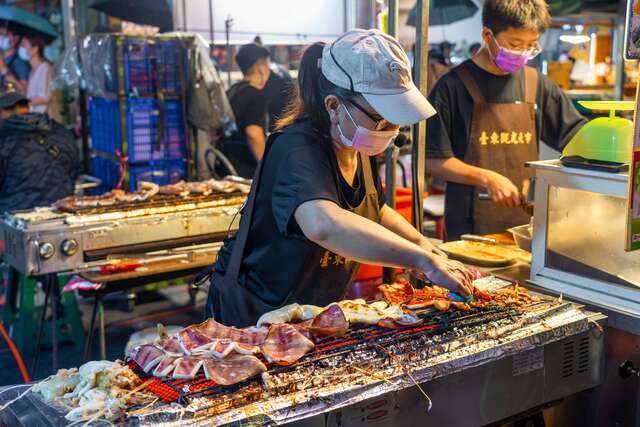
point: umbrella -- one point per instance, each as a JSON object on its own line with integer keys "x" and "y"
{"x": 157, "y": 13}
{"x": 27, "y": 23}
{"x": 444, "y": 12}
{"x": 564, "y": 7}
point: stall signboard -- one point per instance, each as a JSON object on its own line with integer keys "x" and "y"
{"x": 632, "y": 52}
{"x": 632, "y": 31}
{"x": 633, "y": 221}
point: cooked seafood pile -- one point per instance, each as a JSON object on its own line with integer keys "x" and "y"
{"x": 230, "y": 355}
{"x": 96, "y": 389}
{"x": 147, "y": 190}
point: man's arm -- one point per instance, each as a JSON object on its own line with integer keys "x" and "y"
{"x": 501, "y": 189}
{"x": 256, "y": 140}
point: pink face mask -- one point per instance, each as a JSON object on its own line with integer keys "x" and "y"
{"x": 366, "y": 141}
{"x": 511, "y": 61}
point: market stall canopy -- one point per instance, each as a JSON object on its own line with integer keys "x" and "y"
{"x": 156, "y": 13}
{"x": 445, "y": 12}
{"x": 26, "y": 23}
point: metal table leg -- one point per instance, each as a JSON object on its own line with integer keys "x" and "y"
{"x": 89, "y": 341}
{"x": 36, "y": 354}
{"x": 53, "y": 278}
{"x": 103, "y": 344}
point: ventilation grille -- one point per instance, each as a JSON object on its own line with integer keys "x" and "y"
{"x": 575, "y": 357}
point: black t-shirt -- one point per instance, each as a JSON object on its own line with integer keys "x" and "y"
{"x": 299, "y": 167}
{"x": 277, "y": 91}
{"x": 448, "y": 132}
{"x": 249, "y": 106}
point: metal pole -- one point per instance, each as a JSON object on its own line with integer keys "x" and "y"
{"x": 184, "y": 15}
{"x": 393, "y": 18}
{"x": 617, "y": 60}
{"x": 211, "y": 35}
{"x": 391, "y": 154}
{"x": 68, "y": 23}
{"x": 227, "y": 31}
{"x": 418, "y": 157}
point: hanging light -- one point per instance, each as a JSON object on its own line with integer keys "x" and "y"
{"x": 575, "y": 38}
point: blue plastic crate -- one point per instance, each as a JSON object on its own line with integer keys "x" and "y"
{"x": 142, "y": 131}
{"x": 106, "y": 170}
{"x": 104, "y": 122}
{"x": 151, "y": 67}
{"x": 161, "y": 172}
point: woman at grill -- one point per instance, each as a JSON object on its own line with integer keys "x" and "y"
{"x": 316, "y": 209}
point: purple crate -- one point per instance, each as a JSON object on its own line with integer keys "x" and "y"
{"x": 142, "y": 131}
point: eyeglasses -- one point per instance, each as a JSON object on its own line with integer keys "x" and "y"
{"x": 532, "y": 52}
{"x": 379, "y": 123}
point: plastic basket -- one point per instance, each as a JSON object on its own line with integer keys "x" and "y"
{"x": 107, "y": 170}
{"x": 142, "y": 131}
{"x": 139, "y": 68}
{"x": 104, "y": 120}
{"x": 153, "y": 67}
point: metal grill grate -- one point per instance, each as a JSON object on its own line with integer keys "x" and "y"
{"x": 158, "y": 201}
{"x": 362, "y": 338}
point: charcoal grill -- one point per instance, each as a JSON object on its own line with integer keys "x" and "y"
{"x": 552, "y": 346}
{"x": 45, "y": 240}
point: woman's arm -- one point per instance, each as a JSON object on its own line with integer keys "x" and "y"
{"x": 392, "y": 220}
{"x": 362, "y": 240}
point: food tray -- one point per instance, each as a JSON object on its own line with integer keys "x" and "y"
{"x": 480, "y": 254}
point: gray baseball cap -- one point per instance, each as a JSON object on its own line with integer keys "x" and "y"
{"x": 374, "y": 64}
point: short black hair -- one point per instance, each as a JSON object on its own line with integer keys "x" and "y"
{"x": 498, "y": 15}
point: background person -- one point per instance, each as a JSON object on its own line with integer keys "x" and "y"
{"x": 249, "y": 106}
{"x": 14, "y": 70}
{"x": 39, "y": 85}
{"x": 39, "y": 159}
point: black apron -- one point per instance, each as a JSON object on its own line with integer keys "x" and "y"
{"x": 231, "y": 303}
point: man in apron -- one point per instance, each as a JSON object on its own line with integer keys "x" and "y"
{"x": 492, "y": 112}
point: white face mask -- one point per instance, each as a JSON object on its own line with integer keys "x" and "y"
{"x": 4, "y": 43}
{"x": 368, "y": 142}
{"x": 23, "y": 53}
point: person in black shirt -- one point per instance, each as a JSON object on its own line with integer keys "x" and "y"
{"x": 249, "y": 106}
{"x": 316, "y": 209}
{"x": 492, "y": 113}
{"x": 277, "y": 90}
{"x": 39, "y": 159}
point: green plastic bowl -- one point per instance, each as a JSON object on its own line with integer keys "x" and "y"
{"x": 604, "y": 138}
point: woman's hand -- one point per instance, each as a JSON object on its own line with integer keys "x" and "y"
{"x": 447, "y": 273}
{"x": 431, "y": 248}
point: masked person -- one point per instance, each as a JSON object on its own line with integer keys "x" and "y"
{"x": 14, "y": 65}
{"x": 316, "y": 209}
{"x": 492, "y": 112}
{"x": 249, "y": 105}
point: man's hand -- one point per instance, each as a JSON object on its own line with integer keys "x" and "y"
{"x": 501, "y": 190}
